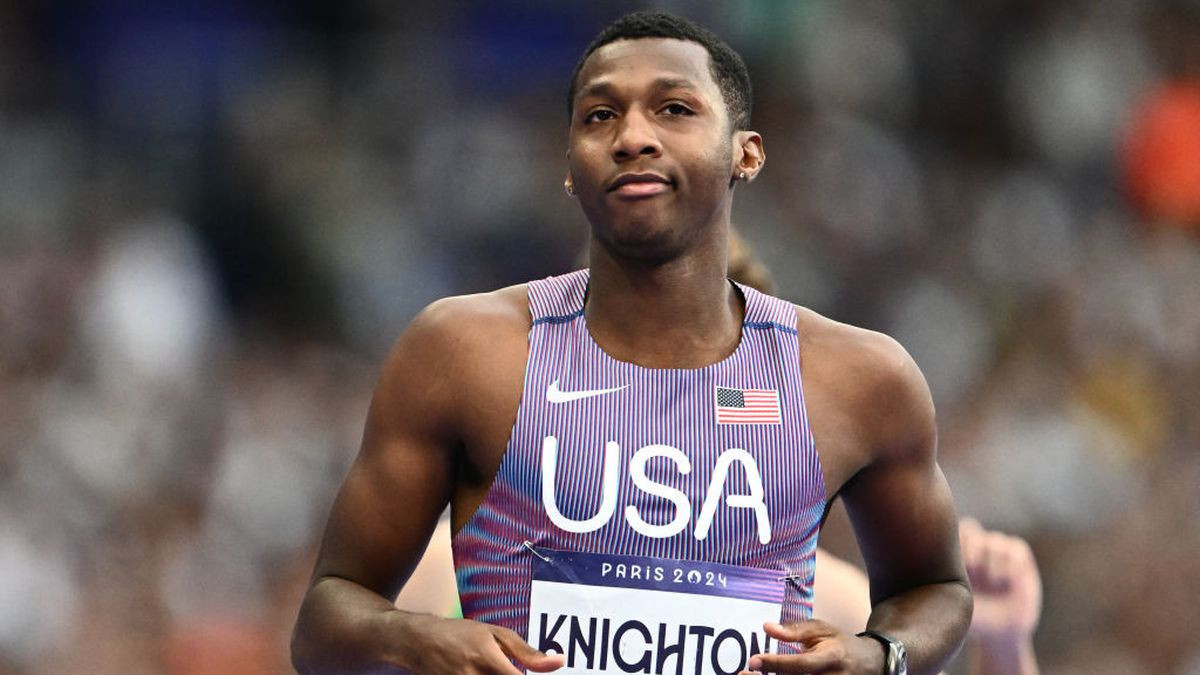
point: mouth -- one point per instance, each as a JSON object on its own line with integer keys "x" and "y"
{"x": 639, "y": 185}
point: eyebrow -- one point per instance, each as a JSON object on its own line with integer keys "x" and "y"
{"x": 605, "y": 88}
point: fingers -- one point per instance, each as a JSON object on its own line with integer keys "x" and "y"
{"x": 969, "y": 534}
{"x": 968, "y": 529}
{"x": 803, "y": 632}
{"x": 515, "y": 647}
{"x": 806, "y": 633}
{"x": 984, "y": 560}
{"x": 807, "y": 662}
{"x": 993, "y": 559}
{"x": 995, "y": 570}
{"x": 1005, "y": 580}
{"x": 497, "y": 663}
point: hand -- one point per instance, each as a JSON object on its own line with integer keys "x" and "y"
{"x": 1004, "y": 580}
{"x": 826, "y": 650}
{"x": 465, "y": 647}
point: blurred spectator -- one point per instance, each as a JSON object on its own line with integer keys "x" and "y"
{"x": 1162, "y": 156}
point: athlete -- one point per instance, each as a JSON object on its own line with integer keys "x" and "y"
{"x": 645, "y": 409}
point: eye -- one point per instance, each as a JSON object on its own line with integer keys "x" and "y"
{"x": 601, "y": 115}
{"x": 677, "y": 109}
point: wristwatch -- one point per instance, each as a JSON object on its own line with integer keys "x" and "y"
{"x": 895, "y": 660}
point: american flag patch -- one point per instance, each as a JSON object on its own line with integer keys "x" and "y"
{"x": 748, "y": 406}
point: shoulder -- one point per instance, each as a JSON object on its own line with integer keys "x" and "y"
{"x": 874, "y": 360}
{"x": 457, "y": 326}
{"x": 507, "y": 308}
{"x": 457, "y": 345}
{"x": 870, "y": 378}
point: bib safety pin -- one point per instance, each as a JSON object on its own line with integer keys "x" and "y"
{"x": 529, "y": 545}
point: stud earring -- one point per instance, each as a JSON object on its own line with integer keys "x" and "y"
{"x": 570, "y": 189}
{"x": 741, "y": 175}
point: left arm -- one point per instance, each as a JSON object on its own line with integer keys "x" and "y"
{"x": 904, "y": 520}
{"x": 903, "y": 517}
{"x": 1005, "y": 583}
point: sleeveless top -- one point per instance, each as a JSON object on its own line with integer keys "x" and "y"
{"x": 648, "y": 462}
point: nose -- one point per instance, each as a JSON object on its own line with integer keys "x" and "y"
{"x": 635, "y": 138}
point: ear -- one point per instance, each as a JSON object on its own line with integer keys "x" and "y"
{"x": 569, "y": 181}
{"x": 748, "y": 154}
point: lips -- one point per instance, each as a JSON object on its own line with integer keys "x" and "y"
{"x": 639, "y": 184}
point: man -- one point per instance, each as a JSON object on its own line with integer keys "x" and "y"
{"x": 653, "y": 384}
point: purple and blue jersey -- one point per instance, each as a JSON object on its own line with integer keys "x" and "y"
{"x": 713, "y": 464}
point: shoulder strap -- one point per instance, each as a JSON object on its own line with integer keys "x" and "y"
{"x": 764, "y": 310}
{"x": 558, "y": 298}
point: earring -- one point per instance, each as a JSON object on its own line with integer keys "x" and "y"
{"x": 741, "y": 175}
{"x": 570, "y": 189}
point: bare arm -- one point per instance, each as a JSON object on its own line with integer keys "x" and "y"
{"x": 877, "y": 426}
{"x": 383, "y": 517}
{"x": 1007, "y": 590}
{"x": 904, "y": 519}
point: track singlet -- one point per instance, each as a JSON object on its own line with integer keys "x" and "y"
{"x": 708, "y": 465}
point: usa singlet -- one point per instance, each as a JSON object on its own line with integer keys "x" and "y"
{"x": 709, "y": 465}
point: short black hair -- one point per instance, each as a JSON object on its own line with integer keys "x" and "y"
{"x": 726, "y": 66}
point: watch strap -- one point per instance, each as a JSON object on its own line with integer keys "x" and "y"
{"x": 895, "y": 660}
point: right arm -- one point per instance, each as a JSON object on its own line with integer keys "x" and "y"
{"x": 387, "y": 509}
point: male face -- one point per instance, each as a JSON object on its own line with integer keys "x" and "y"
{"x": 651, "y": 152}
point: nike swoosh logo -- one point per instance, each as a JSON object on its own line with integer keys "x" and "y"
{"x": 555, "y": 395}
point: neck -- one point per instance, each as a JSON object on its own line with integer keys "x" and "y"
{"x": 682, "y": 313}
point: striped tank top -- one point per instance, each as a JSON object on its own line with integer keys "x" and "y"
{"x": 712, "y": 464}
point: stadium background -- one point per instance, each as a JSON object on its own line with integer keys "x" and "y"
{"x": 215, "y": 217}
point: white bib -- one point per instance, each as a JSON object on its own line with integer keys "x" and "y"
{"x": 628, "y": 614}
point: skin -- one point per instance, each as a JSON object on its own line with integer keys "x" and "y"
{"x": 447, "y": 398}
{"x": 1008, "y": 601}
{"x": 1007, "y": 592}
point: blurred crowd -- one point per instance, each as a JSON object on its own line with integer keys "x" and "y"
{"x": 215, "y": 217}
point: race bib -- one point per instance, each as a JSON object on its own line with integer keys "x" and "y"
{"x": 627, "y": 614}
